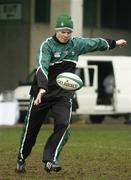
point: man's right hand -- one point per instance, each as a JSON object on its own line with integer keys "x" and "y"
{"x": 39, "y": 97}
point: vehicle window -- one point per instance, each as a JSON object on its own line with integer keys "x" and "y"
{"x": 91, "y": 76}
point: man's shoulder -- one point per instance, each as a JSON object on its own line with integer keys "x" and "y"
{"x": 49, "y": 39}
{"x": 47, "y": 42}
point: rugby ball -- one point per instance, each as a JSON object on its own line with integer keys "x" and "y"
{"x": 69, "y": 81}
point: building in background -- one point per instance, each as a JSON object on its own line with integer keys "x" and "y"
{"x": 25, "y": 24}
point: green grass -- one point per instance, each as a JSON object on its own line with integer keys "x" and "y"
{"x": 93, "y": 152}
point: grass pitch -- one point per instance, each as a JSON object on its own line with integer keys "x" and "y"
{"x": 93, "y": 152}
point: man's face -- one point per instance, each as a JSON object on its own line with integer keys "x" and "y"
{"x": 63, "y": 35}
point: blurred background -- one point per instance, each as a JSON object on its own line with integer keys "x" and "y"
{"x": 24, "y": 24}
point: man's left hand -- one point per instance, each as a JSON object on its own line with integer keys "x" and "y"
{"x": 39, "y": 97}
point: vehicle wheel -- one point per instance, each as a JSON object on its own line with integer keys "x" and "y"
{"x": 127, "y": 119}
{"x": 96, "y": 119}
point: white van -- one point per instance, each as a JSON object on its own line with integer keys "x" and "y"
{"x": 93, "y": 99}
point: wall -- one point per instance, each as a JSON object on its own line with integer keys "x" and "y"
{"x": 14, "y": 49}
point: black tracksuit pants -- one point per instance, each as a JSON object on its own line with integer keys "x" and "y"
{"x": 61, "y": 109}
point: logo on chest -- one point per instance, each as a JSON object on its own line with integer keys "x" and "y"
{"x": 58, "y": 54}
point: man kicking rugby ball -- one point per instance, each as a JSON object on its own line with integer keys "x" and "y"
{"x": 57, "y": 54}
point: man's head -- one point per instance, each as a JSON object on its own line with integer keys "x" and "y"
{"x": 64, "y": 22}
{"x": 64, "y": 28}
